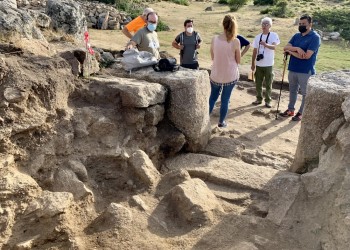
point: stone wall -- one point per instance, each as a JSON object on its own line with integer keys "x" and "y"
{"x": 95, "y": 12}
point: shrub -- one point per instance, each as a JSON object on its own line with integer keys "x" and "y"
{"x": 133, "y": 8}
{"x": 223, "y": 2}
{"x": 265, "y": 11}
{"x": 281, "y": 9}
{"x": 236, "y": 4}
{"x": 162, "y": 26}
{"x": 333, "y": 20}
{"x": 181, "y": 2}
{"x": 263, "y": 2}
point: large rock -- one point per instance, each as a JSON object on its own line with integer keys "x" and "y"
{"x": 65, "y": 180}
{"x": 194, "y": 203}
{"x": 115, "y": 216}
{"x": 50, "y": 204}
{"x": 67, "y": 16}
{"x": 188, "y": 107}
{"x": 325, "y": 96}
{"x": 144, "y": 168}
{"x": 9, "y": 3}
{"x": 228, "y": 172}
{"x": 133, "y": 93}
{"x": 15, "y": 23}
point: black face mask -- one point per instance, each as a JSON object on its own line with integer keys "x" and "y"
{"x": 302, "y": 29}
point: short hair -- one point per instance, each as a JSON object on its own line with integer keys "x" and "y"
{"x": 266, "y": 20}
{"x": 146, "y": 11}
{"x": 306, "y": 16}
{"x": 188, "y": 21}
{"x": 152, "y": 13}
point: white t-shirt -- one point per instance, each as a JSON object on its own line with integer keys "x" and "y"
{"x": 269, "y": 54}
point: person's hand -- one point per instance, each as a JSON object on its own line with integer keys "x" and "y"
{"x": 198, "y": 46}
{"x": 263, "y": 43}
{"x": 252, "y": 67}
{"x": 301, "y": 52}
{"x": 129, "y": 46}
{"x": 181, "y": 47}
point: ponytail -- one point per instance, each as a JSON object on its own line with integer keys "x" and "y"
{"x": 230, "y": 27}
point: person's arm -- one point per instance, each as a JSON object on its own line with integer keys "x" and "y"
{"x": 176, "y": 45}
{"x": 198, "y": 46}
{"x": 255, "y": 51}
{"x": 290, "y": 48}
{"x": 131, "y": 44}
{"x": 212, "y": 49}
{"x": 305, "y": 56}
{"x": 126, "y": 32}
{"x": 269, "y": 46}
{"x": 246, "y": 48}
{"x": 237, "y": 50}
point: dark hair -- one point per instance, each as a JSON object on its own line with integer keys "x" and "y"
{"x": 230, "y": 27}
{"x": 151, "y": 13}
{"x": 306, "y": 16}
{"x": 188, "y": 21}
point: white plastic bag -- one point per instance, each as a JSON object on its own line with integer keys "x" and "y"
{"x": 133, "y": 59}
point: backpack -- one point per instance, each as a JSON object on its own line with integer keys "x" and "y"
{"x": 182, "y": 42}
{"x": 166, "y": 64}
{"x": 182, "y": 37}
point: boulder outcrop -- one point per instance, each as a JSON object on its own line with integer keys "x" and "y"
{"x": 328, "y": 91}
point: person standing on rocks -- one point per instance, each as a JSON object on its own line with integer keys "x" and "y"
{"x": 146, "y": 39}
{"x": 263, "y": 58}
{"x": 137, "y": 23}
{"x": 302, "y": 48}
{"x": 188, "y": 42}
{"x": 226, "y": 55}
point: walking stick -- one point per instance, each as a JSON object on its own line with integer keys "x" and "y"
{"x": 285, "y": 59}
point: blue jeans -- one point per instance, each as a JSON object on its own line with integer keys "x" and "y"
{"x": 225, "y": 98}
{"x": 296, "y": 81}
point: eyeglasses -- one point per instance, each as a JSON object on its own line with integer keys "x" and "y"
{"x": 265, "y": 24}
{"x": 154, "y": 22}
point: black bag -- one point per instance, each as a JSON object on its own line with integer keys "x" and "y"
{"x": 166, "y": 64}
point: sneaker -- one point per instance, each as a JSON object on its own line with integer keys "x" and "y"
{"x": 257, "y": 102}
{"x": 268, "y": 105}
{"x": 287, "y": 113}
{"x": 297, "y": 117}
{"x": 222, "y": 125}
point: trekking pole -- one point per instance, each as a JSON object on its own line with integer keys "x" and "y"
{"x": 285, "y": 59}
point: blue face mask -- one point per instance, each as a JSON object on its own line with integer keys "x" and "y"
{"x": 151, "y": 26}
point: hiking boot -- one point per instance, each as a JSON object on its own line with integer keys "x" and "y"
{"x": 222, "y": 125}
{"x": 268, "y": 105}
{"x": 297, "y": 117}
{"x": 287, "y": 113}
{"x": 257, "y": 102}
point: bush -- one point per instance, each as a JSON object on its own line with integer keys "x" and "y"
{"x": 162, "y": 26}
{"x": 263, "y": 2}
{"x": 281, "y": 9}
{"x": 223, "y": 2}
{"x": 333, "y": 20}
{"x": 236, "y": 4}
{"x": 133, "y": 8}
{"x": 181, "y": 2}
{"x": 265, "y": 11}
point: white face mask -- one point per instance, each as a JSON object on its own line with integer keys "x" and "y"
{"x": 189, "y": 29}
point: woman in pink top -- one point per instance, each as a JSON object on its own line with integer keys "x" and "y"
{"x": 226, "y": 55}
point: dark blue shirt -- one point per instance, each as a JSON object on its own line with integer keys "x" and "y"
{"x": 311, "y": 41}
{"x": 244, "y": 42}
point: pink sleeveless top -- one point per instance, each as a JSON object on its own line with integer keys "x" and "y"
{"x": 225, "y": 67}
